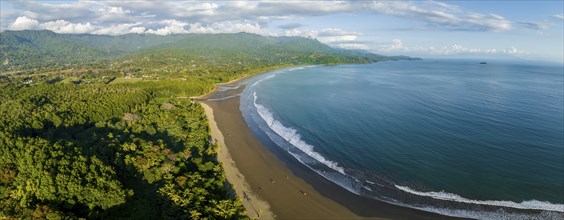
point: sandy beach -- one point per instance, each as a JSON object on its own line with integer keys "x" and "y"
{"x": 273, "y": 185}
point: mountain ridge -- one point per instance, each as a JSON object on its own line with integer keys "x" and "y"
{"x": 40, "y": 49}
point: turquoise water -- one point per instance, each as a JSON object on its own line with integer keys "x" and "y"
{"x": 452, "y": 137}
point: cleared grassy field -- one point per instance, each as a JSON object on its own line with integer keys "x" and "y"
{"x": 126, "y": 80}
{"x": 70, "y": 79}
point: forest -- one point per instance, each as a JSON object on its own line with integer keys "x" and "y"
{"x": 96, "y": 127}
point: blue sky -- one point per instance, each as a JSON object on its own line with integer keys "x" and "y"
{"x": 425, "y": 28}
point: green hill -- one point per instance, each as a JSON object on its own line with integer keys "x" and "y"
{"x": 40, "y": 49}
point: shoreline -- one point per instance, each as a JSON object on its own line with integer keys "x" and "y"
{"x": 267, "y": 177}
{"x": 255, "y": 208}
{"x": 237, "y": 80}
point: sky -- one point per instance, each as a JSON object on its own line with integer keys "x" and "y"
{"x": 483, "y": 29}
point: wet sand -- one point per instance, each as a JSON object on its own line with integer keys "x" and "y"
{"x": 272, "y": 184}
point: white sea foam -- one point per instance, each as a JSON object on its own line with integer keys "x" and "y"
{"x": 224, "y": 98}
{"x": 532, "y": 204}
{"x": 297, "y": 68}
{"x": 226, "y": 88}
{"x": 264, "y": 78}
{"x": 497, "y": 215}
{"x": 301, "y": 67}
{"x": 292, "y": 136}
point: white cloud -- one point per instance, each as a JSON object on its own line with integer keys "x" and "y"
{"x": 330, "y": 35}
{"x": 171, "y": 27}
{"x": 443, "y": 6}
{"x": 358, "y": 46}
{"x": 191, "y": 9}
{"x": 491, "y": 22}
{"x": 114, "y": 10}
{"x": 30, "y": 14}
{"x": 112, "y": 15}
{"x": 235, "y": 27}
{"x": 120, "y": 29}
{"x": 24, "y": 23}
{"x": 137, "y": 30}
{"x": 514, "y": 51}
{"x": 558, "y": 16}
{"x": 65, "y": 27}
{"x": 396, "y": 46}
{"x": 300, "y": 33}
{"x": 178, "y": 27}
{"x": 199, "y": 28}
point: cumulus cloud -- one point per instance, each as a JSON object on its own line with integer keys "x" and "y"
{"x": 137, "y": 30}
{"x": 352, "y": 45}
{"x": 24, "y": 23}
{"x": 120, "y": 29}
{"x": 558, "y": 16}
{"x": 178, "y": 27}
{"x": 171, "y": 27}
{"x": 397, "y": 46}
{"x": 65, "y": 27}
{"x": 235, "y": 27}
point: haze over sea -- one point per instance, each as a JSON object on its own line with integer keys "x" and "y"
{"x": 450, "y": 136}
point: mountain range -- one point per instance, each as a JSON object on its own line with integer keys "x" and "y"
{"x": 37, "y": 49}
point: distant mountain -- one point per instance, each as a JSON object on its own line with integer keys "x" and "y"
{"x": 45, "y": 49}
{"x": 36, "y": 49}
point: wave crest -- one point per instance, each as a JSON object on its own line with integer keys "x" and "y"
{"x": 531, "y": 204}
{"x": 293, "y": 137}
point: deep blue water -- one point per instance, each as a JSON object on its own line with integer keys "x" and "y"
{"x": 453, "y": 137}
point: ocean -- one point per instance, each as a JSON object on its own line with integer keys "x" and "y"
{"x": 454, "y": 137}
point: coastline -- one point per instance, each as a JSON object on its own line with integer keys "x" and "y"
{"x": 235, "y": 81}
{"x": 270, "y": 179}
{"x": 255, "y": 208}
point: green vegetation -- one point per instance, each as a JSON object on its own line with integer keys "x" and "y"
{"x": 98, "y": 126}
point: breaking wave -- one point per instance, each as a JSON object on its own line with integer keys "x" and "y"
{"x": 293, "y": 137}
{"x": 531, "y": 204}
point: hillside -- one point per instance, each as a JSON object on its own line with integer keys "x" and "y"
{"x": 24, "y": 50}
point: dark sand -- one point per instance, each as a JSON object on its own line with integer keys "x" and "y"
{"x": 282, "y": 187}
